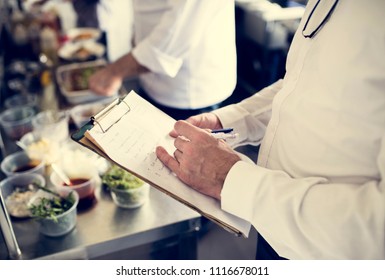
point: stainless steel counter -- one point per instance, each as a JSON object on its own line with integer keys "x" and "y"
{"x": 105, "y": 229}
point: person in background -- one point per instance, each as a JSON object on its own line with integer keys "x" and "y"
{"x": 113, "y": 17}
{"x": 86, "y": 11}
{"x": 318, "y": 189}
{"x": 116, "y": 20}
{"x": 184, "y": 53}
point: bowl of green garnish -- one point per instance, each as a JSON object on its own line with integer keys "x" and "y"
{"x": 55, "y": 211}
{"x": 127, "y": 190}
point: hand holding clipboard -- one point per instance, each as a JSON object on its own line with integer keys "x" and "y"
{"x": 127, "y": 132}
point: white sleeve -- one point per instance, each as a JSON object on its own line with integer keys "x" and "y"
{"x": 311, "y": 218}
{"x": 179, "y": 30}
{"x": 250, "y": 117}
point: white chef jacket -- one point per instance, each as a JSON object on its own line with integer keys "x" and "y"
{"x": 318, "y": 189}
{"x": 189, "y": 47}
{"x": 116, "y": 19}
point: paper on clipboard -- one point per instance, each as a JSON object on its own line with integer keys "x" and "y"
{"x": 127, "y": 133}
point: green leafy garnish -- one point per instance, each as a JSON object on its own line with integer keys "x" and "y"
{"x": 118, "y": 178}
{"x": 52, "y": 207}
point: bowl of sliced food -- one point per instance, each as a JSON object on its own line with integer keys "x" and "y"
{"x": 81, "y": 34}
{"x": 81, "y": 51}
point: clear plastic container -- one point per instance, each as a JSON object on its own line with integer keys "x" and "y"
{"x": 131, "y": 198}
{"x": 20, "y": 163}
{"x": 16, "y": 191}
{"x": 18, "y": 100}
{"x": 84, "y": 187}
{"x": 17, "y": 121}
{"x": 52, "y": 124}
{"x": 64, "y": 223}
{"x": 40, "y": 146}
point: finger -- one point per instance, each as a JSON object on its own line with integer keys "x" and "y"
{"x": 178, "y": 156}
{"x": 186, "y": 129}
{"x": 194, "y": 120}
{"x": 180, "y": 142}
{"x": 167, "y": 160}
{"x": 173, "y": 133}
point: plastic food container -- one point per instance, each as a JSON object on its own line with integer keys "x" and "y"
{"x": 52, "y": 125}
{"x": 130, "y": 198}
{"x": 64, "y": 222}
{"x": 21, "y": 163}
{"x": 17, "y": 191}
{"x": 82, "y": 113}
{"x": 73, "y": 81}
{"x": 18, "y": 100}
{"x": 17, "y": 121}
{"x": 79, "y": 164}
{"x": 83, "y": 186}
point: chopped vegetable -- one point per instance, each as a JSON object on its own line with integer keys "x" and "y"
{"x": 118, "y": 178}
{"x": 51, "y": 207}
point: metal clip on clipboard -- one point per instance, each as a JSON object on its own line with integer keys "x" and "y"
{"x": 99, "y": 117}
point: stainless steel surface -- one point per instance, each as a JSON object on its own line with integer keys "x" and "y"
{"x": 105, "y": 229}
{"x": 6, "y": 227}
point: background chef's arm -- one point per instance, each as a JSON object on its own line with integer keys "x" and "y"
{"x": 179, "y": 30}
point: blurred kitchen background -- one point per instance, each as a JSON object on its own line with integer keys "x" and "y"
{"x": 32, "y": 43}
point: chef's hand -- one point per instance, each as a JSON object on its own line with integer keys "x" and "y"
{"x": 200, "y": 160}
{"x": 105, "y": 81}
{"x": 208, "y": 121}
{"x": 108, "y": 80}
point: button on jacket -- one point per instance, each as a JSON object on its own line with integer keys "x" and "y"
{"x": 318, "y": 189}
{"x": 189, "y": 48}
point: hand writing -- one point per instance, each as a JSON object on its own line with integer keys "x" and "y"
{"x": 200, "y": 160}
{"x": 205, "y": 120}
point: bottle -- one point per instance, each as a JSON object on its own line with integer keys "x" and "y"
{"x": 34, "y": 37}
{"x": 49, "y": 44}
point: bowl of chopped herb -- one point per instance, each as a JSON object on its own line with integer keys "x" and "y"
{"x": 55, "y": 211}
{"x": 127, "y": 190}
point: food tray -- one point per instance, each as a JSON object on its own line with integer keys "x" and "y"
{"x": 81, "y": 51}
{"x": 84, "y": 34}
{"x": 73, "y": 81}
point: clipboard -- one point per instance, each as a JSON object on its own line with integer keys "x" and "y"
{"x": 104, "y": 123}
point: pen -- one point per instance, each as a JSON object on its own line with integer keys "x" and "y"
{"x": 225, "y": 136}
{"x": 223, "y": 130}
{"x": 224, "y": 133}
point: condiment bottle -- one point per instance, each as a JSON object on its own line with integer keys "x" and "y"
{"x": 49, "y": 44}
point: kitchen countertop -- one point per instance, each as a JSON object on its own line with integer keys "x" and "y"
{"x": 105, "y": 229}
